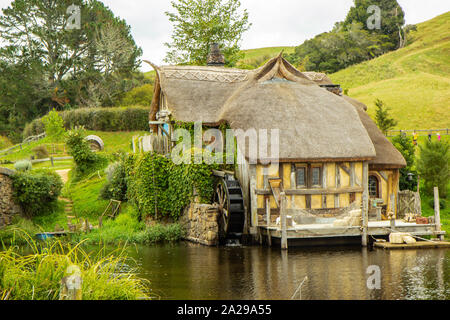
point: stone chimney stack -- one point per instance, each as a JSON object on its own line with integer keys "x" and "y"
{"x": 215, "y": 58}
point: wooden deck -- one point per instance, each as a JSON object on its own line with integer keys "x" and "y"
{"x": 417, "y": 245}
{"x": 375, "y": 228}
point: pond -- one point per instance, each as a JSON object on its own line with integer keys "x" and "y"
{"x": 187, "y": 271}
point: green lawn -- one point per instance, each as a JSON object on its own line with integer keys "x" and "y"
{"x": 257, "y": 57}
{"x": 414, "y": 81}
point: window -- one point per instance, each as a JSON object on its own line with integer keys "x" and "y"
{"x": 301, "y": 177}
{"x": 373, "y": 187}
{"x": 317, "y": 176}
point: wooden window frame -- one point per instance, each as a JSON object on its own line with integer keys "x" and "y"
{"x": 379, "y": 195}
{"x": 320, "y": 167}
{"x": 305, "y": 168}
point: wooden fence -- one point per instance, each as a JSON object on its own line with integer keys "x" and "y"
{"x": 27, "y": 141}
{"x": 421, "y": 132}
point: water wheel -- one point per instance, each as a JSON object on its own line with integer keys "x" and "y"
{"x": 229, "y": 197}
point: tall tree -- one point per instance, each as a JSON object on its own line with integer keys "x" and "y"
{"x": 408, "y": 175}
{"x": 47, "y": 60}
{"x": 392, "y": 18}
{"x": 434, "y": 166}
{"x": 198, "y": 24}
{"x": 383, "y": 119}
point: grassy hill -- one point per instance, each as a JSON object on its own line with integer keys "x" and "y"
{"x": 413, "y": 81}
{"x": 256, "y": 57}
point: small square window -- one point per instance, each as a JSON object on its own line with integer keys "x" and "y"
{"x": 301, "y": 177}
{"x": 316, "y": 176}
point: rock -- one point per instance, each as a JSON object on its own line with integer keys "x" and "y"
{"x": 409, "y": 240}
{"x": 397, "y": 237}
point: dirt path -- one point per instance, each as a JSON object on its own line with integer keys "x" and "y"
{"x": 64, "y": 174}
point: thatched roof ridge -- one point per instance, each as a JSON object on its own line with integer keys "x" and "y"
{"x": 319, "y": 78}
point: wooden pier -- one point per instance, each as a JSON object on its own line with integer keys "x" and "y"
{"x": 417, "y": 245}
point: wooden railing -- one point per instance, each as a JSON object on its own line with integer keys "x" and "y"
{"x": 27, "y": 141}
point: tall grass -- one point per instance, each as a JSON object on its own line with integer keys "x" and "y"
{"x": 37, "y": 275}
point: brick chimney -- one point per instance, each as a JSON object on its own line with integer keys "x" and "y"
{"x": 215, "y": 58}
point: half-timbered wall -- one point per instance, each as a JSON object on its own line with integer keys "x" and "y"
{"x": 341, "y": 184}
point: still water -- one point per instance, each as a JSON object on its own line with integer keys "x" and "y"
{"x": 187, "y": 271}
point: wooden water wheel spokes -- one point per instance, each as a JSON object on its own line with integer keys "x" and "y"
{"x": 229, "y": 197}
{"x": 223, "y": 200}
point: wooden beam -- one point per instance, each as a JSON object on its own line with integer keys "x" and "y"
{"x": 384, "y": 175}
{"x": 284, "y": 240}
{"x": 345, "y": 168}
{"x": 365, "y": 206}
{"x": 312, "y": 192}
{"x": 324, "y": 185}
{"x": 269, "y": 221}
{"x": 437, "y": 212}
{"x": 338, "y": 185}
{"x": 253, "y": 196}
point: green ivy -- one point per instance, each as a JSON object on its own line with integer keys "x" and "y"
{"x": 159, "y": 188}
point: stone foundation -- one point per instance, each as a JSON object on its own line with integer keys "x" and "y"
{"x": 200, "y": 222}
{"x": 7, "y": 206}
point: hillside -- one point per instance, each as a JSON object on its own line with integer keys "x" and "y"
{"x": 256, "y": 57}
{"x": 413, "y": 81}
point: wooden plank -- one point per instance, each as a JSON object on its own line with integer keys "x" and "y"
{"x": 284, "y": 239}
{"x": 338, "y": 185}
{"x": 417, "y": 245}
{"x": 276, "y": 187}
{"x": 268, "y": 211}
{"x": 253, "y": 196}
{"x": 365, "y": 206}
{"x": 385, "y": 176}
{"x": 437, "y": 211}
{"x": 345, "y": 168}
{"x": 303, "y": 192}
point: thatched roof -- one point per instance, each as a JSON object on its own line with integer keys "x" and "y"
{"x": 314, "y": 124}
{"x": 319, "y": 78}
{"x": 388, "y": 157}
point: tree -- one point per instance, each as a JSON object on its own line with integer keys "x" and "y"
{"x": 200, "y": 23}
{"x": 407, "y": 149}
{"x": 434, "y": 166}
{"x": 54, "y": 126}
{"x": 392, "y": 19}
{"x": 384, "y": 122}
{"x": 45, "y": 65}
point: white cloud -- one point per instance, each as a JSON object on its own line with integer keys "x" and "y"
{"x": 278, "y": 23}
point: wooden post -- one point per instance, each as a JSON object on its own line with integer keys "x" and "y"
{"x": 284, "y": 241}
{"x": 365, "y": 206}
{"x": 268, "y": 219}
{"x": 437, "y": 212}
{"x": 51, "y": 160}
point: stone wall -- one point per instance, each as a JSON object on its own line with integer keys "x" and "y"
{"x": 200, "y": 222}
{"x": 7, "y": 206}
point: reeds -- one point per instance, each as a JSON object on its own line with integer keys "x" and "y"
{"x": 37, "y": 275}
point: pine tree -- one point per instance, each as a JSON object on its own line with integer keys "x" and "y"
{"x": 382, "y": 118}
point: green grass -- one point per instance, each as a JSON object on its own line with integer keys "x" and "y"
{"x": 37, "y": 275}
{"x": 257, "y": 57}
{"x": 414, "y": 81}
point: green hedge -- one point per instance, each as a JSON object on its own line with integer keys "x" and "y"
{"x": 98, "y": 119}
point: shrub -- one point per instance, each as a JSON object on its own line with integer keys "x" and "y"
{"x": 23, "y": 165}
{"x": 37, "y": 191}
{"x": 140, "y": 96}
{"x": 86, "y": 161}
{"x": 41, "y": 152}
{"x": 433, "y": 166}
{"x": 442, "y": 203}
{"x": 98, "y": 119}
{"x": 54, "y": 126}
{"x": 4, "y": 143}
{"x": 116, "y": 186}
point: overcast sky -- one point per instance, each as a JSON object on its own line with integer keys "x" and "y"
{"x": 275, "y": 23}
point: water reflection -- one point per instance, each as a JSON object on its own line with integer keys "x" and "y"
{"x": 188, "y": 271}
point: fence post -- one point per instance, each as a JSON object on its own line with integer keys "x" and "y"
{"x": 284, "y": 241}
{"x": 437, "y": 212}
